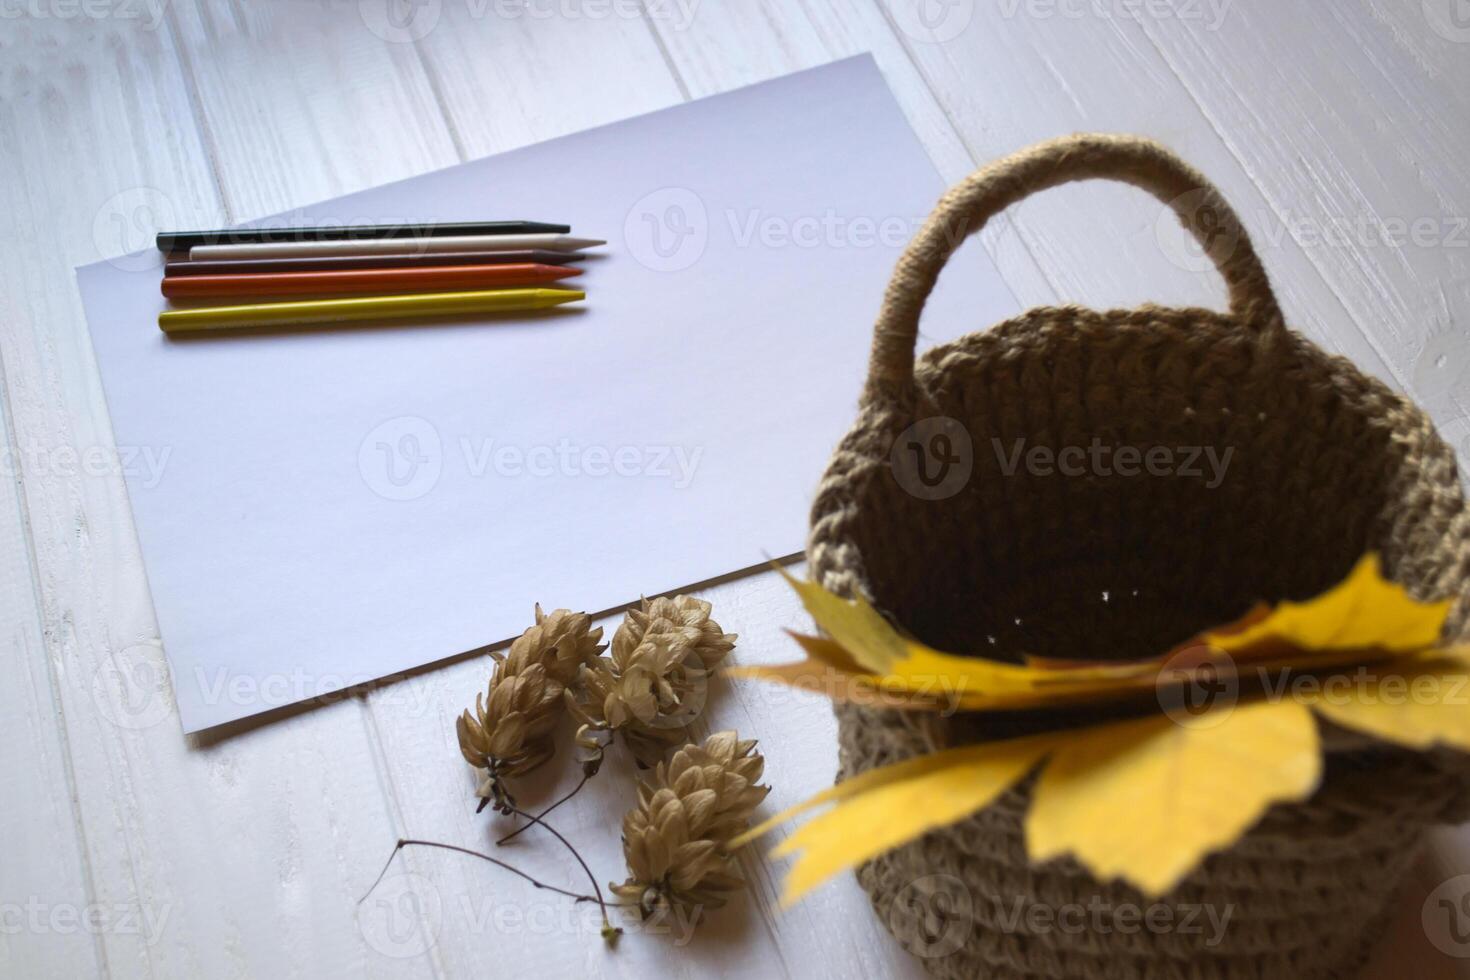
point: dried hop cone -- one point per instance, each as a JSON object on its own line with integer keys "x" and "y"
{"x": 655, "y": 682}
{"x": 682, "y": 616}
{"x": 648, "y": 694}
{"x": 562, "y": 641}
{"x": 675, "y": 841}
{"x": 510, "y": 731}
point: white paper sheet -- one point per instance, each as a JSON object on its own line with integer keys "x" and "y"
{"x": 318, "y": 509}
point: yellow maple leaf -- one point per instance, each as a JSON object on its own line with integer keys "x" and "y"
{"x": 896, "y": 811}
{"x": 1144, "y": 799}
{"x": 1423, "y": 703}
{"x": 1365, "y": 611}
{"x": 865, "y": 646}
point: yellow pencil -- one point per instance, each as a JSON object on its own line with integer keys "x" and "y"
{"x": 327, "y": 311}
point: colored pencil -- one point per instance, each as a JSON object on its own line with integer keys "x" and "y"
{"x": 424, "y": 279}
{"x": 329, "y": 311}
{"x": 176, "y": 240}
{"x": 394, "y": 260}
{"x": 383, "y": 246}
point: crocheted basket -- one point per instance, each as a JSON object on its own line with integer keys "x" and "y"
{"x": 924, "y": 512}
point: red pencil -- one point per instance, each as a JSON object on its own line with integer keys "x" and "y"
{"x": 366, "y": 281}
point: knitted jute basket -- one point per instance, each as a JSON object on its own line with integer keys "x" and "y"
{"x": 1326, "y": 464}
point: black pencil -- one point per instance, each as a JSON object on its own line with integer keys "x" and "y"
{"x": 171, "y": 241}
{"x": 323, "y": 263}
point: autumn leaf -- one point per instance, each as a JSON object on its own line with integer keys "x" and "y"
{"x": 1364, "y": 612}
{"x": 866, "y": 646}
{"x": 891, "y": 811}
{"x": 1143, "y": 799}
{"x": 1424, "y": 703}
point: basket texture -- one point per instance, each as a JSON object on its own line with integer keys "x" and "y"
{"x": 1325, "y": 464}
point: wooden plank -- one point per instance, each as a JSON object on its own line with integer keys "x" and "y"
{"x": 45, "y": 871}
{"x": 241, "y": 857}
{"x": 726, "y": 46}
{"x": 512, "y": 74}
{"x": 1370, "y": 185}
{"x": 302, "y": 102}
{"x": 1010, "y": 78}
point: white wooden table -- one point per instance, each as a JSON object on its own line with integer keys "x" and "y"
{"x": 1340, "y": 131}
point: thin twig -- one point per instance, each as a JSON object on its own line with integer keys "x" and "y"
{"x": 527, "y": 825}
{"x": 607, "y": 926}
{"x": 493, "y": 860}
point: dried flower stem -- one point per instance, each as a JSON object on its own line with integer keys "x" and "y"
{"x": 607, "y": 926}
{"x": 536, "y": 819}
{"x": 609, "y": 931}
{"x": 402, "y": 843}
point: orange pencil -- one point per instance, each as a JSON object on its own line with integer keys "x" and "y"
{"x": 426, "y": 279}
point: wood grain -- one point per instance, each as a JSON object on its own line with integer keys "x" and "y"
{"x": 1370, "y": 188}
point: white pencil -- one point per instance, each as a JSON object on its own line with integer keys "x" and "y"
{"x": 386, "y": 246}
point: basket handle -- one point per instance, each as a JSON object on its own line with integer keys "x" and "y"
{"x": 967, "y": 206}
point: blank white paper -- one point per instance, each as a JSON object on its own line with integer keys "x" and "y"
{"x": 326, "y": 508}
